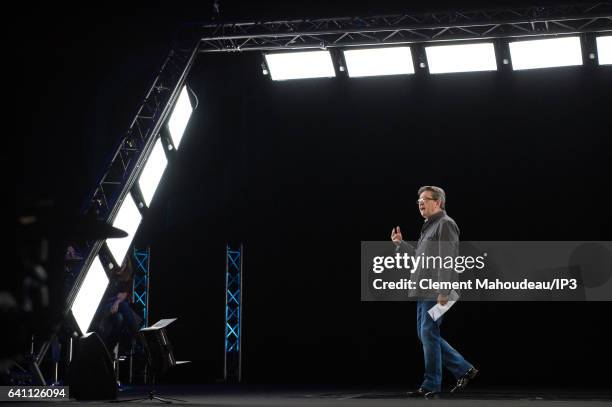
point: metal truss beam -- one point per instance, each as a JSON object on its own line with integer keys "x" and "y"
{"x": 232, "y": 366}
{"x": 118, "y": 178}
{"x": 406, "y": 28}
{"x": 140, "y": 292}
{"x": 146, "y": 124}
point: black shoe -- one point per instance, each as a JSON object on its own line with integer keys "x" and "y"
{"x": 422, "y": 393}
{"x": 465, "y": 379}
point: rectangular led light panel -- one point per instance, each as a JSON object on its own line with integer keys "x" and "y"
{"x": 128, "y": 219}
{"x": 180, "y": 117}
{"x": 90, "y": 294}
{"x": 379, "y": 61}
{"x": 461, "y": 58}
{"x": 300, "y": 65}
{"x": 152, "y": 172}
{"x": 546, "y": 53}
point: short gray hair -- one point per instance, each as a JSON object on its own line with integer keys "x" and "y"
{"x": 437, "y": 193}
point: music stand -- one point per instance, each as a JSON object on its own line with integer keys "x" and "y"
{"x": 159, "y": 355}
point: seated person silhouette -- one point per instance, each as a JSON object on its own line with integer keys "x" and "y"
{"x": 115, "y": 315}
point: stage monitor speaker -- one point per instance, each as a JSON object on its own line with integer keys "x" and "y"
{"x": 90, "y": 374}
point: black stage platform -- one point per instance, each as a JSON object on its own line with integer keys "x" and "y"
{"x": 248, "y": 395}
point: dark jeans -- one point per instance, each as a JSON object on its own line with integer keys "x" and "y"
{"x": 436, "y": 351}
{"x": 111, "y": 325}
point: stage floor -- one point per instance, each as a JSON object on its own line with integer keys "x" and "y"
{"x": 249, "y": 395}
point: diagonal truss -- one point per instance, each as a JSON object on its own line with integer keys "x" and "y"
{"x": 147, "y": 122}
{"x": 406, "y": 28}
{"x": 127, "y": 159}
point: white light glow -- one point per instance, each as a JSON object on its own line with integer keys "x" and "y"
{"x": 379, "y": 61}
{"x": 152, "y": 172}
{"x": 604, "y": 50}
{"x": 547, "y": 53}
{"x": 128, "y": 219}
{"x": 90, "y": 294}
{"x": 461, "y": 58}
{"x": 180, "y": 117}
{"x": 300, "y": 65}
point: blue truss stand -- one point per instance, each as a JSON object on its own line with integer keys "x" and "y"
{"x": 140, "y": 292}
{"x": 232, "y": 366}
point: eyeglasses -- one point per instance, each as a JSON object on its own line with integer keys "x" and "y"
{"x": 422, "y": 200}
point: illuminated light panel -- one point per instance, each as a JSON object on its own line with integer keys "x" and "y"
{"x": 547, "y": 53}
{"x": 152, "y": 172}
{"x": 379, "y": 61}
{"x": 604, "y": 50}
{"x": 461, "y": 58}
{"x": 128, "y": 219}
{"x": 180, "y": 117}
{"x": 90, "y": 294}
{"x": 300, "y": 65}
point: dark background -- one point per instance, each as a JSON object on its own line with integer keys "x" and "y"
{"x": 302, "y": 171}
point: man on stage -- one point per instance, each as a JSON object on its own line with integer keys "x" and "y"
{"x": 439, "y": 237}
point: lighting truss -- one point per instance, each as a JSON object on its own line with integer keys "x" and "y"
{"x": 406, "y": 28}
{"x": 152, "y": 113}
{"x": 140, "y": 291}
{"x": 133, "y": 148}
{"x": 232, "y": 364}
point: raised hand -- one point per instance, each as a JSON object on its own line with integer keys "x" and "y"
{"x": 396, "y": 235}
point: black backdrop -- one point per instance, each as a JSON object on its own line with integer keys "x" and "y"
{"x": 302, "y": 171}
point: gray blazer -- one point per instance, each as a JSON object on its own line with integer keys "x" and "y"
{"x": 439, "y": 237}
